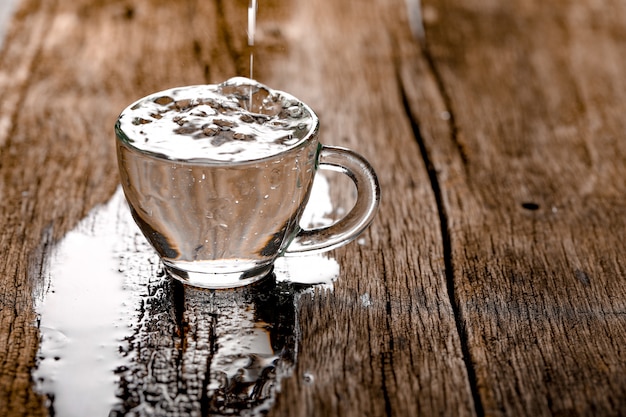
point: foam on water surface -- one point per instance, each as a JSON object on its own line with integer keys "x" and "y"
{"x": 238, "y": 120}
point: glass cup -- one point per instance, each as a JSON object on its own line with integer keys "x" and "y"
{"x": 218, "y": 176}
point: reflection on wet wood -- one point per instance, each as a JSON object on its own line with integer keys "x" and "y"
{"x": 492, "y": 282}
{"x": 209, "y": 352}
{"x": 136, "y": 342}
{"x": 204, "y": 352}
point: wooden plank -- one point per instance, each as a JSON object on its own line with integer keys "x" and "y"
{"x": 384, "y": 342}
{"x": 529, "y": 166}
{"x": 61, "y": 94}
{"x": 18, "y": 335}
{"x": 400, "y": 355}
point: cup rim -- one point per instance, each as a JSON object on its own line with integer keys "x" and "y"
{"x": 124, "y": 139}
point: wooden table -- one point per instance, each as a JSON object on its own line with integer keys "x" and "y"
{"x": 493, "y": 281}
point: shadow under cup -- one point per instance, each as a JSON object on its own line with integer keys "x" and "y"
{"x": 222, "y": 224}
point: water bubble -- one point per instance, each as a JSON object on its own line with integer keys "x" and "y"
{"x": 229, "y": 105}
{"x": 366, "y": 300}
{"x": 271, "y": 105}
{"x": 294, "y": 112}
{"x": 278, "y": 123}
{"x": 193, "y": 122}
{"x": 200, "y": 113}
{"x": 308, "y": 378}
{"x": 243, "y": 136}
{"x": 210, "y": 130}
{"x": 246, "y": 118}
{"x": 140, "y": 121}
{"x": 219, "y": 140}
{"x": 223, "y": 123}
{"x": 186, "y": 130}
{"x": 183, "y": 104}
{"x": 163, "y": 100}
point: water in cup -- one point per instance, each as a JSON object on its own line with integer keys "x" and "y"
{"x": 217, "y": 178}
{"x": 237, "y": 120}
{"x": 207, "y": 177}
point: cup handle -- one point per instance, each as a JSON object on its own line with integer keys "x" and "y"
{"x": 352, "y": 224}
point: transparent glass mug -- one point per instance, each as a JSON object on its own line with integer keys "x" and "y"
{"x": 223, "y": 223}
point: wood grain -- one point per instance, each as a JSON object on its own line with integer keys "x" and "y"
{"x": 492, "y": 281}
{"x": 530, "y": 174}
{"x": 61, "y": 93}
{"x": 400, "y": 353}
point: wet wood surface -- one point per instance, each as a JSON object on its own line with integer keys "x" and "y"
{"x": 493, "y": 281}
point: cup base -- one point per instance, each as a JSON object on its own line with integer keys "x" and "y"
{"x": 217, "y": 281}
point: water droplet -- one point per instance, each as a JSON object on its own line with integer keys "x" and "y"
{"x": 308, "y": 378}
{"x": 210, "y": 121}
{"x": 365, "y": 300}
{"x": 243, "y": 136}
{"x": 163, "y": 100}
{"x": 140, "y": 121}
{"x": 224, "y": 123}
{"x": 294, "y": 111}
{"x": 210, "y": 130}
{"x": 183, "y": 104}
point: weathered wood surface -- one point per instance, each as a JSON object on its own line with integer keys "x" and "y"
{"x": 531, "y": 169}
{"x": 494, "y": 274}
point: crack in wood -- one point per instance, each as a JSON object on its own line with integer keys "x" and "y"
{"x": 386, "y": 354}
{"x": 449, "y": 114}
{"x": 444, "y": 225}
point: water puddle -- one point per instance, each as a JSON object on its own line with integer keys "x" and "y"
{"x": 121, "y": 338}
{"x": 83, "y": 318}
{"x": 7, "y": 7}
